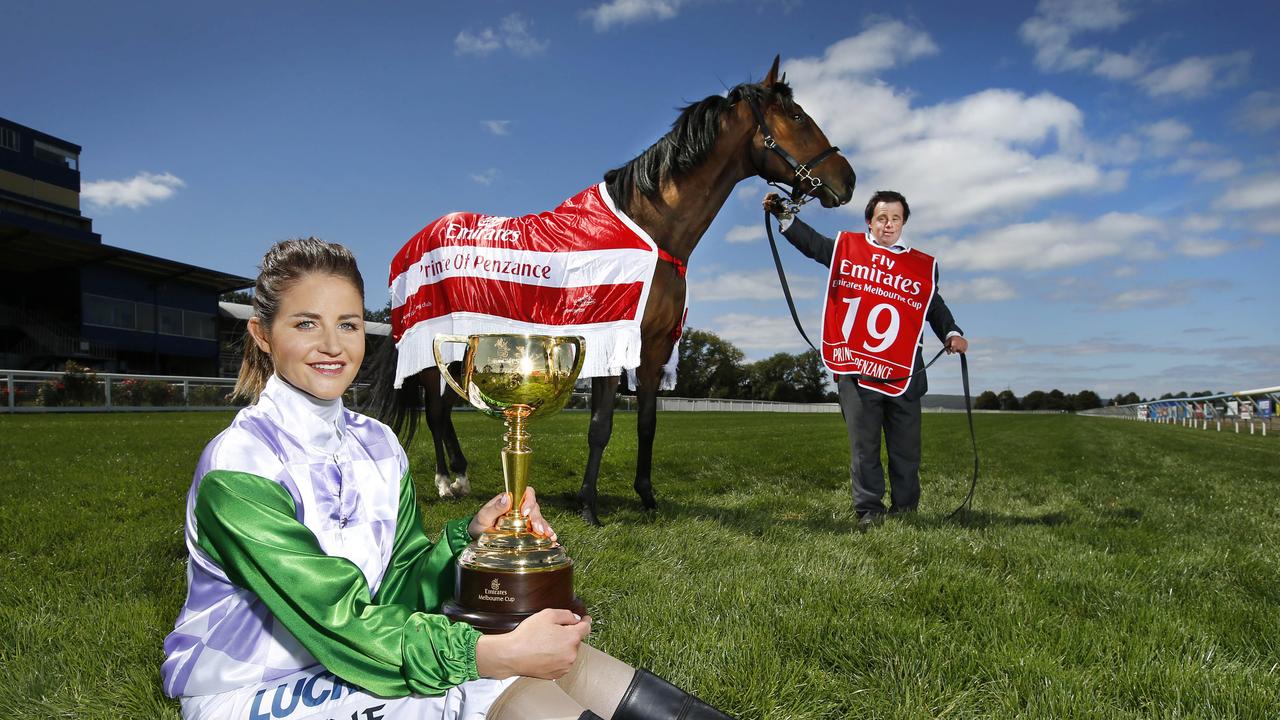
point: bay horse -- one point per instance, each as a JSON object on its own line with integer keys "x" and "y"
{"x": 672, "y": 190}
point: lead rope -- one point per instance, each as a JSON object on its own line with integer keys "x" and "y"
{"x": 964, "y": 506}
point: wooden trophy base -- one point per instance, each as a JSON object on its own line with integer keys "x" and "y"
{"x": 496, "y": 601}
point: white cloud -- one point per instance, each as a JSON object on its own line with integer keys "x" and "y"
{"x": 1196, "y": 76}
{"x": 744, "y": 234}
{"x": 513, "y": 33}
{"x": 1167, "y": 136}
{"x": 1176, "y": 293}
{"x": 485, "y": 177}
{"x": 1014, "y": 150}
{"x": 755, "y": 285}
{"x": 760, "y": 332}
{"x": 1202, "y": 223}
{"x": 497, "y": 127}
{"x": 1052, "y": 31}
{"x": 1267, "y": 225}
{"x": 1052, "y": 243}
{"x": 1260, "y": 112}
{"x": 1207, "y": 169}
{"x": 1198, "y": 248}
{"x": 138, "y": 191}
{"x": 625, "y": 12}
{"x": 1261, "y": 192}
{"x": 982, "y": 289}
{"x": 883, "y": 45}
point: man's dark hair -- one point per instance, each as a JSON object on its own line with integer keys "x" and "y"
{"x": 887, "y": 196}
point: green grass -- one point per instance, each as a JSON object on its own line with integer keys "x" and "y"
{"x": 1110, "y": 569}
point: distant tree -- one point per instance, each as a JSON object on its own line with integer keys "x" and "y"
{"x": 773, "y": 378}
{"x": 1130, "y": 398}
{"x": 1008, "y": 401}
{"x": 986, "y": 401}
{"x": 708, "y": 366}
{"x": 382, "y": 316}
{"x": 1056, "y": 400}
{"x": 811, "y": 376}
{"x": 1034, "y": 400}
{"x": 240, "y": 297}
{"x": 1086, "y": 400}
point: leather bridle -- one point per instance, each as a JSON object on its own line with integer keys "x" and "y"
{"x": 801, "y": 171}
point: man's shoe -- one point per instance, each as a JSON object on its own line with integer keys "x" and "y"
{"x": 869, "y": 520}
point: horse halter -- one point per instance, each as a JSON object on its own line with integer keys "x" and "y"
{"x": 803, "y": 172}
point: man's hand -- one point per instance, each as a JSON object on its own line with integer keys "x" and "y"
{"x": 489, "y": 513}
{"x": 772, "y": 203}
{"x": 544, "y": 645}
{"x": 957, "y": 344}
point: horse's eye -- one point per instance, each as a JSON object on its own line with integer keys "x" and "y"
{"x": 798, "y": 117}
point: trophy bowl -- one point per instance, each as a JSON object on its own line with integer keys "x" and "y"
{"x": 511, "y": 572}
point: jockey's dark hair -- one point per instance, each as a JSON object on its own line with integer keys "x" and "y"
{"x": 287, "y": 262}
{"x": 691, "y": 138}
{"x": 887, "y": 196}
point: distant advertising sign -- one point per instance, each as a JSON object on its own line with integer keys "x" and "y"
{"x": 1198, "y": 413}
{"x": 1209, "y": 412}
{"x": 1246, "y": 409}
{"x": 1233, "y": 408}
{"x": 1264, "y": 408}
{"x": 1144, "y": 412}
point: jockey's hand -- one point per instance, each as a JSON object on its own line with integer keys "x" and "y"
{"x": 772, "y": 204}
{"x": 489, "y": 513}
{"x": 544, "y": 645}
{"x": 957, "y": 344}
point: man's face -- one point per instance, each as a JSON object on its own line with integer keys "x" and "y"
{"x": 886, "y": 223}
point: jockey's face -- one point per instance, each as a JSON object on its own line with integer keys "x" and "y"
{"x": 886, "y": 223}
{"x": 316, "y": 341}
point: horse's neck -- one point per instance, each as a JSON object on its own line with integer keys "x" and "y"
{"x": 678, "y": 215}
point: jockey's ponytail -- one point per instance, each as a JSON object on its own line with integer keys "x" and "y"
{"x": 286, "y": 263}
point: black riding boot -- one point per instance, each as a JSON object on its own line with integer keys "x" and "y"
{"x": 649, "y": 697}
{"x": 588, "y": 715}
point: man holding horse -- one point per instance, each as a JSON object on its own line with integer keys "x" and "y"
{"x": 872, "y": 332}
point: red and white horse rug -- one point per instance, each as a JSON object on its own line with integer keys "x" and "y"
{"x": 582, "y": 269}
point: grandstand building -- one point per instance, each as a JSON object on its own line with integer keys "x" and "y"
{"x": 66, "y": 295}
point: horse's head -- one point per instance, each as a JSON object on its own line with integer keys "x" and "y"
{"x": 788, "y": 146}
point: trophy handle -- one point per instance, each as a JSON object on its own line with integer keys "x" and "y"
{"x": 444, "y": 366}
{"x": 579, "y": 354}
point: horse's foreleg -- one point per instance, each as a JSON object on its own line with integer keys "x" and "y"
{"x": 602, "y": 392}
{"x": 439, "y": 422}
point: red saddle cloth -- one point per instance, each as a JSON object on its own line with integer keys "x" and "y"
{"x": 582, "y": 269}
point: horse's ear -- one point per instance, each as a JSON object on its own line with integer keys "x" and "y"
{"x": 772, "y": 78}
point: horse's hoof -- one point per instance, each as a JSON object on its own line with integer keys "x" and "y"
{"x": 645, "y": 492}
{"x": 442, "y": 486}
{"x": 461, "y": 487}
{"x": 589, "y": 517}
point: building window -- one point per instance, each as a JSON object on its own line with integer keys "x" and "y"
{"x": 109, "y": 312}
{"x": 57, "y": 156}
{"x": 141, "y": 316}
{"x": 9, "y": 139}
{"x": 170, "y": 321}
{"x": 198, "y": 325}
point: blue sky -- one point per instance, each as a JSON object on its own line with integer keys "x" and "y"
{"x": 1100, "y": 180}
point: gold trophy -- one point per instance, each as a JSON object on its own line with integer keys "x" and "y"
{"x": 511, "y": 572}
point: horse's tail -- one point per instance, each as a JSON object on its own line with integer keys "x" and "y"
{"x": 397, "y": 407}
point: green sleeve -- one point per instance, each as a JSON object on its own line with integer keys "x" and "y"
{"x": 421, "y": 574}
{"x": 246, "y": 524}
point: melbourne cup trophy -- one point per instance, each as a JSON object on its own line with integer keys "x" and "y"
{"x": 510, "y": 572}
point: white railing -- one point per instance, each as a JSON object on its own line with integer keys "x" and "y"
{"x": 670, "y": 404}
{"x": 24, "y": 391}
{"x": 1251, "y": 411}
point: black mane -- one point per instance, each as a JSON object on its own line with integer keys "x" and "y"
{"x": 691, "y": 138}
